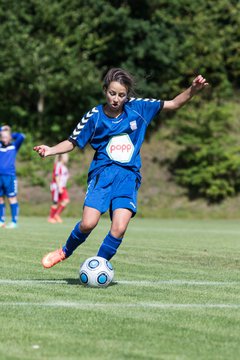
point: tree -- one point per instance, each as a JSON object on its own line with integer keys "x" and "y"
{"x": 48, "y": 78}
{"x": 208, "y": 160}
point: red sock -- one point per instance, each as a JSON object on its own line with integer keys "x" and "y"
{"x": 59, "y": 209}
{"x": 52, "y": 211}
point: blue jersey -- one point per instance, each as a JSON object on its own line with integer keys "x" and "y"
{"x": 8, "y": 154}
{"x": 116, "y": 140}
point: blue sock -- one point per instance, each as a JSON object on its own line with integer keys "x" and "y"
{"x": 2, "y": 212}
{"x": 75, "y": 239}
{"x": 14, "y": 211}
{"x": 109, "y": 246}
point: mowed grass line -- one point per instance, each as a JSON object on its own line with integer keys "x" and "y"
{"x": 176, "y": 294}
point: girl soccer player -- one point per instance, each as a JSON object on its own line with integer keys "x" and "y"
{"x": 10, "y": 143}
{"x": 116, "y": 131}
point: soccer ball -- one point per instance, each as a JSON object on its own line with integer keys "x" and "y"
{"x": 96, "y": 272}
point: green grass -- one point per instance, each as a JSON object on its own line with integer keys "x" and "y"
{"x": 176, "y": 293}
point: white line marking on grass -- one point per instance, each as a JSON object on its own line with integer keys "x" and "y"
{"x": 103, "y": 306}
{"x": 31, "y": 282}
{"x": 125, "y": 282}
{"x": 178, "y": 282}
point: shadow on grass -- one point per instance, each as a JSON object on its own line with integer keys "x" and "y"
{"x": 68, "y": 281}
{"x": 76, "y": 282}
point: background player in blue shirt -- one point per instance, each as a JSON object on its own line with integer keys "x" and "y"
{"x": 116, "y": 131}
{"x": 9, "y": 145}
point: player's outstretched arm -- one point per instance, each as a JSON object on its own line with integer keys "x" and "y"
{"x": 198, "y": 84}
{"x": 61, "y": 148}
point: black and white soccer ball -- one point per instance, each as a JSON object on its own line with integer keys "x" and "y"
{"x": 96, "y": 272}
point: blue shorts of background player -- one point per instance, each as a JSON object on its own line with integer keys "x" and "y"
{"x": 8, "y": 189}
{"x": 8, "y": 186}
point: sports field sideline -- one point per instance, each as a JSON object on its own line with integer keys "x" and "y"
{"x": 175, "y": 295}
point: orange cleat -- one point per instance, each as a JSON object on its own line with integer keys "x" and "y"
{"x": 53, "y": 258}
{"x": 57, "y": 218}
{"x": 51, "y": 220}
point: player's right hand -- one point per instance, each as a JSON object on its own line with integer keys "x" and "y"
{"x": 42, "y": 150}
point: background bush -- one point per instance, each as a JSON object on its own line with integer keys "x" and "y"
{"x": 55, "y": 53}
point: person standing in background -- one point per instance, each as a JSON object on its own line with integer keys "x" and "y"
{"x": 10, "y": 143}
{"x": 60, "y": 197}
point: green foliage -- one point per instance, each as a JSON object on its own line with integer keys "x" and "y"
{"x": 26, "y": 152}
{"x": 46, "y": 65}
{"x": 208, "y": 162}
{"x": 30, "y": 166}
{"x": 81, "y": 180}
{"x": 32, "y": 172}
{"x": 55, "y": 53}
{"x": 38, "y": 181}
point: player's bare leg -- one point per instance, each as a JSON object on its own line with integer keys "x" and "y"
{"x": 90, "y": 219}
{"x": 120, "y": 221}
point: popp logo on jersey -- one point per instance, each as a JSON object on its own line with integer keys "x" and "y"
{"x": 120, "y": 148}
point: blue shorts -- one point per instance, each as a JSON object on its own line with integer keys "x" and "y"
{"x": 8, "y": 185}
{"x": 114, "y": 188}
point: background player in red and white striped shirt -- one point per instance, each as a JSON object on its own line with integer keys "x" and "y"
{"x": 58, "y": 187}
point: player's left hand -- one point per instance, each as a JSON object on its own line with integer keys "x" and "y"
{"x": 199, "y": 83}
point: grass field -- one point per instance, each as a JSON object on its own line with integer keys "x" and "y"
{"x": 176, "y": 293}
